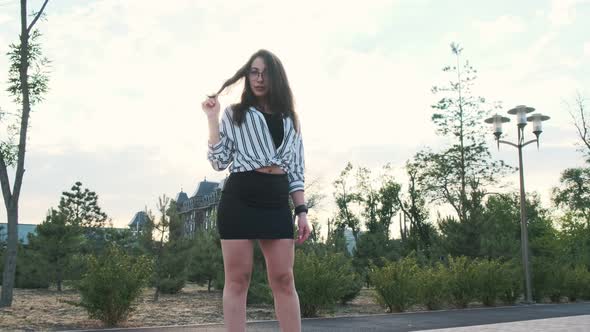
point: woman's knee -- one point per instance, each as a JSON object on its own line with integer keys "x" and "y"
{"x": 237, "y": 282}
{"x": 282, "y": 281}
{"x": 237, "y": 264}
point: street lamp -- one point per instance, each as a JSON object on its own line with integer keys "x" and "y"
{"x": 497, "y": 120}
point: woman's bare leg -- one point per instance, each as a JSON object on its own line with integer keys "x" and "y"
{"x": 237, "y": 267}
{"x": 279, "y": 255}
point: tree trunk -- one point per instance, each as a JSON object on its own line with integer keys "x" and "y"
{"x": 11, "y": 198}
{"x": 158, "y": 273}
{"x": 8, "y": 276}
{"x": 405, "y": 227}
{"x": 59, "y": 275}
{"x": 157, "y": 293}
{"x": 401, "y": 229}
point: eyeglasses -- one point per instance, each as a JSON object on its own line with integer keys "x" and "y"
{"x": 254, "y": 74}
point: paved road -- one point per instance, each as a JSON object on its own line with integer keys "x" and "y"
{"x": 525, "y": 318}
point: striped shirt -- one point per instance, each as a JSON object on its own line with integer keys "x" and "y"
{"x": 250, "y": 146}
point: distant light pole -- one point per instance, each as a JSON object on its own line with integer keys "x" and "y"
{"x": 521, "y": 112}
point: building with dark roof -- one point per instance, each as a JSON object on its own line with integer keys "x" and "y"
{"x": 181, "y": 197}
{"x": 139, "y": 220}
{"x": 199, "y": 210}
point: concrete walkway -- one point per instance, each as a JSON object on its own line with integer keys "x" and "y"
{"x": 529, "y": 318}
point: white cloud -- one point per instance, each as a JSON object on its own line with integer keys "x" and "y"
{"x": 5, "y": 18}
{"x": 563, "y": 12}
{"x": 587, "y": 48}
{"x": 500, "y": 29}
{"x": 127, "y": 79}
{"x": 126, "y": 76}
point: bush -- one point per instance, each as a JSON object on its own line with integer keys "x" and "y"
{"x": 462, "y": 281}
{"x": 31, "y": 270}
{"x": 557, "y": 277}
{"x": 539, "y": 276}
{"x": 548, "y": 279}
{"x": 322, "y": 279}
{"x": 352, "y": 289}
{"x": 259, "y": 291}
{"x": 205, "y": 263}
{"x": 113, "y": 282}
{"x": 577, "y": 282}
{"x": 172, "y": 285}
{"x": 396, "y": 284}
{"x": 219, "y": 280}
{"x": 171, "y": 269}
{"x": 512, "y": 281}
{"x": 433, "y": 288}
{"x": 490, "y": 281}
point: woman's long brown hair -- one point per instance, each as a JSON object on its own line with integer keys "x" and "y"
{"x": 280, "y": 97}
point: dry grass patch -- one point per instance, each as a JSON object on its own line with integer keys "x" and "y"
{"x": 42, "y": 309}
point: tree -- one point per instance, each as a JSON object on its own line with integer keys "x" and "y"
{"x": 56, "y": 241}
{"x": 27, "y": 89}
{"x": 176, "y": 251}
{"x": 379, "y": 205}
{"x": 345, "y": 199}
{"x": 169, "y": 251}
{"x": 2, "y": 237}
{"x": 413, "y": 208}
{"x": 377, "y": 201}
{"x": 162, "y": 228}
{"x": 31, "y": 269}
{"x": 459, "y": 174}
{"x": 581, "y": 118}
{"x": 500, "y": 227}
{"x": 206, "y": 262}
{"x": 80, "y": 208}
{"x": 574, "y": 238}
{"x": 574, "y": 193}
{"x": 335, "y": 241}
{"x": 373, "y": 249}
{"x": 313, "y": 197}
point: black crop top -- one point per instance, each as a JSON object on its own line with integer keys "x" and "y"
{"x": 275, "y": 124}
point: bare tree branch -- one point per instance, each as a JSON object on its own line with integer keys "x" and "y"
{"x": 37, "y": 16}
{"x": 579, "y": 116}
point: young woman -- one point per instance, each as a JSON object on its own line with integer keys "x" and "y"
{"x": 259, "y": 139}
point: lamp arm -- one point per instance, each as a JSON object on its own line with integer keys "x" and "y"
{"x": 509, "y": 143}
{"x": 531, "y": 141}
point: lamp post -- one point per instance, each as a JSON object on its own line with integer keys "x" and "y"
{"x": 497, "y": 120}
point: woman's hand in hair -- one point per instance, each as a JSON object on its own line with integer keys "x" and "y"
{"x": 211, "y": 107}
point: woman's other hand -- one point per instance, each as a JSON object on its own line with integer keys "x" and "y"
{"x": 211, "y": 107}
{"x": 303, "y": 228}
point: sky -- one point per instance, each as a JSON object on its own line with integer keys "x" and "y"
{"x": 127, "y": 77}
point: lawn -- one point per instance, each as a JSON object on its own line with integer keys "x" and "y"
{"x": 43, "y": 309}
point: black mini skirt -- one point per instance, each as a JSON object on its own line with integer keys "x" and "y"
{"x": 255, "y": 205}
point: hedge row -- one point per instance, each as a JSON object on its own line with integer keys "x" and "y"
{"x": 460, "y": 281}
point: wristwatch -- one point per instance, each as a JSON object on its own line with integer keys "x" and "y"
{"x": 300, "y": 208}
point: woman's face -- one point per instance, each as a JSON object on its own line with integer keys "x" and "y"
{"x": 258, "y": 77}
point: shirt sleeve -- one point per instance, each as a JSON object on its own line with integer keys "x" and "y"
{"x": 221, "y": 154}
{"x": 296, "y": 170}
